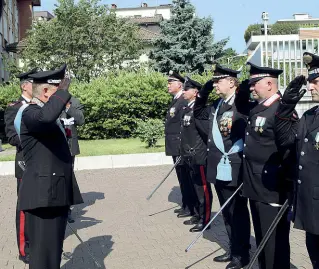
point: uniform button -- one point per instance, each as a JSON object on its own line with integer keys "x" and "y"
{"x": 265, "y": 171}
{"x": 245, "y": 145}
{"x": 207, "y": 149}
{"x": 209, "y": 140}
{"x": 299, "y": 181}
{"x": 302, "y": 153}
{"x": 54, "y": 174}
{"x": 306, "y": 140}
{"x": 249, "y": 122}
{"x": 247, "y": 133}
{"x": 300, "y": 167}
{"x": 244, "y": 156}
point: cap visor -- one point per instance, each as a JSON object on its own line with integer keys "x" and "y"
{"x": 254, "y": 80}
{"x": 312, "y": 77}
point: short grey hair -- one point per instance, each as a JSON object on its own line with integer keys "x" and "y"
{"x": 23, "y": 82}
{"x": 37, "y": 88}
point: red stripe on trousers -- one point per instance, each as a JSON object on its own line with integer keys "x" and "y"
{"x": 21, "y": 233}
{"x": 203, "y": 177}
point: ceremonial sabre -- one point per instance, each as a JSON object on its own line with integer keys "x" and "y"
{"x": 22, "y": 166}
{"x": 176, "y": 163}
{"x": 268, "y": 234}
{"x": 87, "y": 248}
{"x": 214, "y": 217}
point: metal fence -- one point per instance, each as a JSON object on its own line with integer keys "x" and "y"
{"x": 288, "y": 56}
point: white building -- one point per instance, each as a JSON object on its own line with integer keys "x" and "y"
{"x": 148, "y": 19}
{"x": 144, "y": 11}
{"x": 286, "y": 52}
{"x": 42, "y": 16}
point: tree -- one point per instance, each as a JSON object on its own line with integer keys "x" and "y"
{"x": 284, "y": 28}
{"x": 86, "y": 35}
{"x": 253, "y": 29}
{"x": 186, "y": 44}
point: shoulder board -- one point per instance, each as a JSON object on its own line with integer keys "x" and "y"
{"x": 272, "y": 100}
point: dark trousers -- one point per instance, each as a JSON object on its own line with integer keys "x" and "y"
{"x": 21, "y": 229}
{"x": 312, "y": 243}
{"x": 276, "y": 253}
{"x": 179, "y": 172}
{"x": 73, "y": 159}
{"x": 236, "y": 219}
{"x": 189, "y": 198}
{"x": 203, "y": 196}
{"x": 46, "y": 230}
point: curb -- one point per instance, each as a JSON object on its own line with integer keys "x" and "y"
{"x": 106, "y": 161}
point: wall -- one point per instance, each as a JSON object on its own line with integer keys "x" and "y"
{"x": 9, "y": 32}
{"x": 25, "y": 9}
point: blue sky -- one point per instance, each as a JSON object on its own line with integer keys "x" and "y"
{"x": 231, "y": 17}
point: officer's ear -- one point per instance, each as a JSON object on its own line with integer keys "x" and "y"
{"x": 231, "y": 83}
{"x": 45, "y": 90}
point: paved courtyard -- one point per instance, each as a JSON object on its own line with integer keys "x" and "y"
{"x": 124, "y": 230}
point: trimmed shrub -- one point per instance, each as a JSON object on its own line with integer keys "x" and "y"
{"x": 114, "y": 104}
{"x": 253, "y": 29}
{"x": 150, "y": 131}
{"x": 284, "y": 29}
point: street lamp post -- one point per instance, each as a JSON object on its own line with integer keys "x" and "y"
{"x": 265, "y": 18}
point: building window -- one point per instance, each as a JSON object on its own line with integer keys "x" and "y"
{"x": 304, "y": 45}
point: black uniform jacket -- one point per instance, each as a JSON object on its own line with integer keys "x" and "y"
{"x": 48, "y": 180}
{"x": 75, "y": 111}
{"x": 304, "y": 135}
{"x": 173, "y": 126}
{"x": 264, "y": 166}
{"x": 193, "y": 148}
{"x": 11, "y": 133}
{"x": 231, "y": 121}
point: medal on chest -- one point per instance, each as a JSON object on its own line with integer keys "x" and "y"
{"x": 172, "y": 112}
{"x": 260, "y": 122}
{"x": 187, "y": 120}
{"x": 226, "y": 123}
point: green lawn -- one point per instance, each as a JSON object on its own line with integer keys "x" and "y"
{"x": 106, "y": 147}
{"x": 7, "y": 146}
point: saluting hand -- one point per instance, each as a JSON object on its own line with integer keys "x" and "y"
{"x": 208, "y": 86}
{"x": 293, "y": 93}
{"x": 64, "y": 84}
{"x": 244, "y": 86}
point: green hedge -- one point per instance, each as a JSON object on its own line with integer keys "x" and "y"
{"x": 115, "y": 103}
{"x": 284, "y": 29}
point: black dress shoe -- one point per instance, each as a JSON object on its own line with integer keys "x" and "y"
{"x": 226, "y": 257}
{"x": 192, "y": 221}
{"x": 179, "y": 210}
{"x": 185, "y": 214}
{"x": 237, "y": 263}
{"x": 198, "y": 228}
{"x": 25, "y": 259}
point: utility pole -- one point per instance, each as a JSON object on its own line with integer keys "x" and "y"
{"x": 265, "y": 18}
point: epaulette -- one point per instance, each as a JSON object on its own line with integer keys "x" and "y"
{"x": 272, "y": 99}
